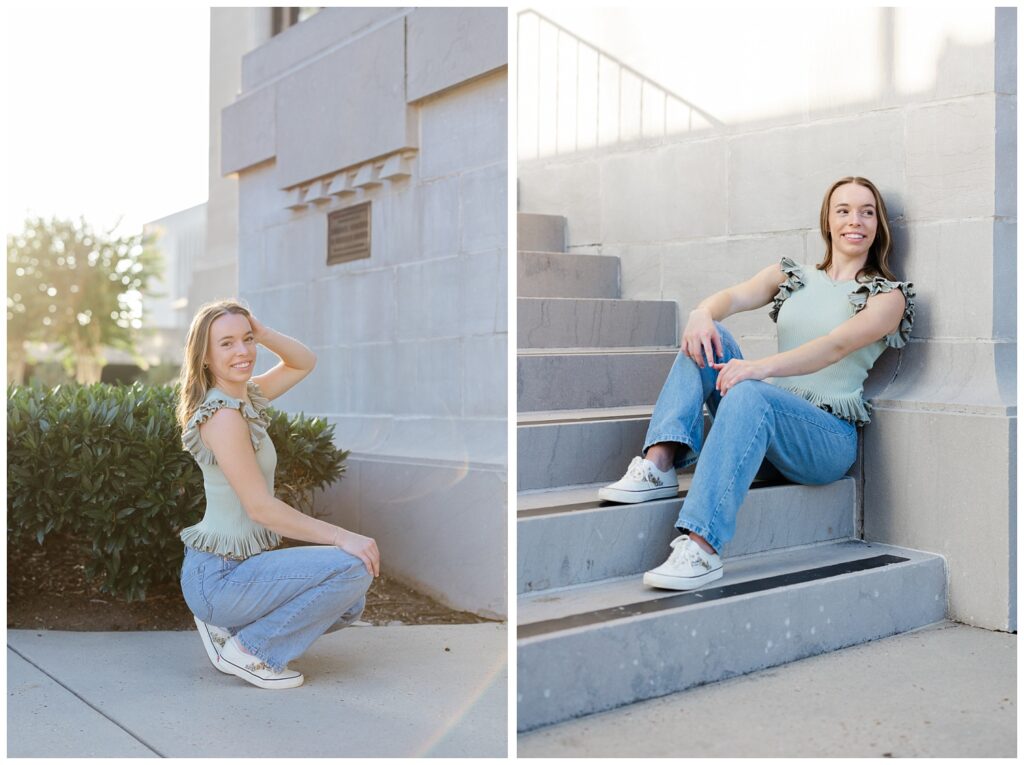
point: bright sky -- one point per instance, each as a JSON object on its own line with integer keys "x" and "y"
{"x": 107, "y": 113}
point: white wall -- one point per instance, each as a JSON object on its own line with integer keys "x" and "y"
{"x": 740, "y": 67}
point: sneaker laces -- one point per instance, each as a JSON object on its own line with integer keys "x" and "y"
{"x": 685, "y": 550}
{"x": 640, "y": 470}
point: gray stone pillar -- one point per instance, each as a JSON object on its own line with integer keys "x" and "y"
{"x": 940, "y": 454}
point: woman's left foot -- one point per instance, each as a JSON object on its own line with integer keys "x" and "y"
{"x": 252, "y": 669}
{"x": 687, "y": 568}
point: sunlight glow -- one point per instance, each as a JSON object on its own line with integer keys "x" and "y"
{"x": 581, "y": 87}
{"x": 108, "y": 113}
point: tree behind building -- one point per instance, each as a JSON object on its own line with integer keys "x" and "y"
{"x": 76, "y": 291}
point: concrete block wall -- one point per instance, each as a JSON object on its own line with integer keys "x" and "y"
{"x": 691, "y": 212}
{"x": 411, "y": 342}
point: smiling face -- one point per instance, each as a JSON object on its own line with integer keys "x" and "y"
{"x": 852, "y": 220}
{"x": 231, "y": 353}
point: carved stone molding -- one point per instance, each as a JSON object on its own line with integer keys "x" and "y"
{"x": 352, "y": 182}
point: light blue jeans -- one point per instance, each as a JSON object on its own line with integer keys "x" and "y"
{"x": 277, "y": 602}
{"x": 754, "y": 421}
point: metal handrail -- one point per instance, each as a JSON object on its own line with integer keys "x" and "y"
{"x": 666, "y": 95}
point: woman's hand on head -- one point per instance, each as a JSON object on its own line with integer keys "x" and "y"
{"x": 701, "y": 339}
{"x": 364, "y": 548}
{"x": 259, "y": 330}
{"x": 736, "y": 371}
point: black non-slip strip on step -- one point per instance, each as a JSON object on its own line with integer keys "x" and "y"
{"x": 704, "y": 596}
{"x": 596, "y": 503}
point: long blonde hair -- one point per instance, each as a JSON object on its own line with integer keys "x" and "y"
{"x": 878, "y": 255}
{"x": 195, "y": 378}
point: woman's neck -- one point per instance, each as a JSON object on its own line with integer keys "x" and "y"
{"x": 233, "y": 389}
{"x": 843, "y": 269}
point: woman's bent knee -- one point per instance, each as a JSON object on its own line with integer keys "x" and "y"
{"x": 350, "y": 568}
{"x": 752, "y": 387}
{"x": 746, "y": 393}
{"x": 682, "y": 358}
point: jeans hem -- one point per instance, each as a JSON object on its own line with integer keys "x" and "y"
{"x": 700, "y": 529}
{"x": 676, "y": 439}
{"x": 259, "y": 653}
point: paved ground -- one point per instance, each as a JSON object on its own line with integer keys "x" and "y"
{"x": 947, "y": 690}
{"x": 400, "y": 691}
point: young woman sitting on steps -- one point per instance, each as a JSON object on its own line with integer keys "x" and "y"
{"x": 834, "y": 320}
{"x": 269, "y": 605}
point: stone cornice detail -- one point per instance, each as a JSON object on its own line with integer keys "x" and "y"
{"x": 353, "y": 181}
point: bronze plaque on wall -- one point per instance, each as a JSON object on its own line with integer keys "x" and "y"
{"x": 348, "y": 234}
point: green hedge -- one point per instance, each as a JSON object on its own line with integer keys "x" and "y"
{"x": 105, "y": 463}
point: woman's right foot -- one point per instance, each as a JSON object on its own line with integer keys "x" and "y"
{"x": 688, "y": 567}
{"x": 252, "y": 669}
{"x": 642, "y": 482}
{"x": 214, "y": 639}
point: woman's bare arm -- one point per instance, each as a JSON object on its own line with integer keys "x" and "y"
{"x": 755, "y": 292}
{"x": 701, "y": 338}
{"x": 297, "y": 360}
{"x": 227, "y": 436}
{"x": 881, "y": 316}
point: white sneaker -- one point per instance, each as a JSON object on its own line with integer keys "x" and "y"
{"x": 687, "y": 568}
{"x": 254, "y": 670}
{"x": 642, "y": 482}
{"x": 214, "y": 639}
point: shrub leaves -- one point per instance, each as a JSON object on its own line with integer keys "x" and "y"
{"x": 105, "y": 463}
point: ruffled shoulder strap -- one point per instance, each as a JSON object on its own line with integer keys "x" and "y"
{"x": 254, "y": 412}
{"x": 859, "y": 299}
{"x": 794, "y": 281}
{"x": 259, "y": 401}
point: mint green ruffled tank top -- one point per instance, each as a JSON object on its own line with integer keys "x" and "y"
{"x": 809, "y": 305}
{"x": 226, "y": 528}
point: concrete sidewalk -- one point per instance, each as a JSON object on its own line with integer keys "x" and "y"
{"x": 401, "y": 691}
{"x": 946, "y": 690}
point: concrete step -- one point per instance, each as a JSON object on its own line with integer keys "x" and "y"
{"x": 595, "y": 647}
{"x": 561, "y": 275}
{"x": 591, "y": 378}
{"x": 569, "y": 537}
{"x": 565, "y": 448}
{"x": 589, "y": 323}
{"x": 540, "y": 233}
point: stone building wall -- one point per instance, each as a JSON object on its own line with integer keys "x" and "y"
{"x": 923, "y": 103}
{"x": 405, "y": 109}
